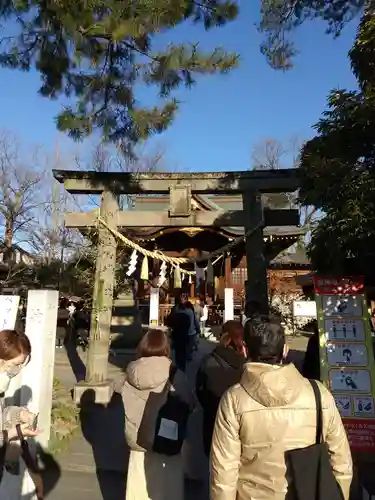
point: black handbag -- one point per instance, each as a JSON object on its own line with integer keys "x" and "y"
{"x": 3, "y": 450}
{"x": 310, "y": 468}
{"x": 171, "y": 423}
{"x": 27, "y": 457}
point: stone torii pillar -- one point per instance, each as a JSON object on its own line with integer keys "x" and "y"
{"x": 256, "y": 284}
{"x": 101, "y": 314}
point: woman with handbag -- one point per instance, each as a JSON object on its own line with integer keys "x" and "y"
{"x": 157, "y": 401}
{"x": 15, "y": 422}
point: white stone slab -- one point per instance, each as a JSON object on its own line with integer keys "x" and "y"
{"x": 37, "y": 376}
{"x": 8, "y": 311}
{"x": 228, "y": 304}
{"x": 8, "y": 317}
{"x": 154, "y": 307}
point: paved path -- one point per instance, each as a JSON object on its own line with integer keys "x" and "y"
{"x": 95, "y": 466}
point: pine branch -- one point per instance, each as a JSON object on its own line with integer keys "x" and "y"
{"x": 96, "y": 53}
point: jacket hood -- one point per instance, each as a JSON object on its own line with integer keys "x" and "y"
{"x": 272, "y": 385}
{"x": 230, "y": 356}
{"x": 148, "y": 373}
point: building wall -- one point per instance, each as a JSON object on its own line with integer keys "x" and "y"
{"x": 279, "y": 280}
{"x": 18, "y": 257}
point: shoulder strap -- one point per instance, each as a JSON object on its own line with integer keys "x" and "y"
{"x": 319, "y": 412}
{"x": 172, "y": 372}
{"x": 26, "y": 454}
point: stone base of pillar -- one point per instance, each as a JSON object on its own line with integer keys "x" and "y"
{"x": 86, "y": 393}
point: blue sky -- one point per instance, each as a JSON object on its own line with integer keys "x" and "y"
{"x": 222, "y": 117}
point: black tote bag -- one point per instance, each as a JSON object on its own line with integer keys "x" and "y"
{"x": 310, "y": 468}
{"x": 171, "y": 423}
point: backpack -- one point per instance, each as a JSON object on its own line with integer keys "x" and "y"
{"x": 171, "y": 423}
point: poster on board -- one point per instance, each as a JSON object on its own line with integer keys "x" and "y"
{"x": 348, "y": 354}
{"x": 344, "y": 405}
{"x": 344, "y": 329}
{"x": 340, "y": 305}
{"x": 349, "y": 380}
{"x": 8, "y": 311}
{"x": 346, "y": 361}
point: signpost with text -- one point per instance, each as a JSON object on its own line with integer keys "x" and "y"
{"x": 346, "y": 355}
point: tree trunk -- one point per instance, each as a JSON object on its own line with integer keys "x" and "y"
{"x": 8, "y": 240}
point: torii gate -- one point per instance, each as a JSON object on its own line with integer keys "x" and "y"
{"x": 180, "y": 186}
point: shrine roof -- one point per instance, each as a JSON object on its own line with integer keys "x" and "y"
{"x": 269, "y": 231}
{"x": 297, "y": 258}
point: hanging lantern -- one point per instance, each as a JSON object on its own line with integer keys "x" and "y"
{"x": 144, "y": 269}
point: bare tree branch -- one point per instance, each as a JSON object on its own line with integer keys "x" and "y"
{"x": 21, "y": 189}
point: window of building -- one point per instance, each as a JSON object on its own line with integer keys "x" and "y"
{"x": 239, "y": 276}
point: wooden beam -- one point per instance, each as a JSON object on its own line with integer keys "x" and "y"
{"x": 219, "y": 218}
{"x": 91, "y": 182}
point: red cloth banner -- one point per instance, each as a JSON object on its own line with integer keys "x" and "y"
{"x": 361, "y": 433}
{"x": 326, "y": 285}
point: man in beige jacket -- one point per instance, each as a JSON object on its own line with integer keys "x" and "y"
{"x": 271, "y": 411}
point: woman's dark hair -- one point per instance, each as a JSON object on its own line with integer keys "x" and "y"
{"x": 154, "y": 343}
{"x": 13, "y": 344}
{"x": 265, "y": 340}
{"x": 232, "y": 326}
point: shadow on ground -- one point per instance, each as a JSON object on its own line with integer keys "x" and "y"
{"x": 103, "y": 428}
{"x": 75, "y": 361}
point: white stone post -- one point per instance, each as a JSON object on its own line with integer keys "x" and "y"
{"x": 154, "y": 307}
{"x": 37, "y": 376}
{"x": 228, "y": 304}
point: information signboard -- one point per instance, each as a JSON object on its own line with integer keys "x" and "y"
{"x": 304, "y": 308}
{"x": 346, "y": 360}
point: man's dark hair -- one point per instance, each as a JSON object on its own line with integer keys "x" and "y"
{"x": 252, "y": 308}
{"x": 265, "y": 340}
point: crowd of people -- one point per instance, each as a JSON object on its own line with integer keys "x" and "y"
{"x": 258, "y": 411}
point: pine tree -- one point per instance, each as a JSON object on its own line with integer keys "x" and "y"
{"x": 97, "y": 53}
{"x": 280, "y": 18}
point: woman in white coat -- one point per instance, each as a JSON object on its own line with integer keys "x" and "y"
{"x": 152, "y": 476}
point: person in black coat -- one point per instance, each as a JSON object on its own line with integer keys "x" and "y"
{"x": 219, "y": 370}
{"x": 179, "y": 322}
{"x": 311, "y": 363}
